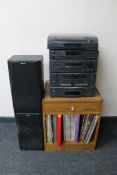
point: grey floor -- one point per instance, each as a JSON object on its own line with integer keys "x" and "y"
{"x": 103, "y": 161}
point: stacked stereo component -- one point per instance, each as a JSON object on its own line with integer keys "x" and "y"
{"x": 73, "y": 65}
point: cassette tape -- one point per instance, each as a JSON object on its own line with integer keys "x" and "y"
{"x": 72, "y": 79}
{"x": 73, "y": 54}
{"x": 71, "y": 92}
{"x": 70, "y": 66}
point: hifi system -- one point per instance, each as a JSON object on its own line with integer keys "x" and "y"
{"x": 27, "y": 86}
{"x": 72, "y": 68}
{"x": 73, "y": 65}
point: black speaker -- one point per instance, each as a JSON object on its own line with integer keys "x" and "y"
{"x": 26, "y": 77}
{"x": 27, "y": 86}
{"x": 30, "y": 132}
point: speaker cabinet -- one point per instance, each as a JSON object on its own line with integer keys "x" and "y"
{"x": 26, "y": 77}
{"x": 30, "y": 133}
{"x": 27, "y": 86}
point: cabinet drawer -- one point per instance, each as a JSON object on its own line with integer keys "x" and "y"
{"x": 71, "y": 108}
{"x": 56, "y": 108}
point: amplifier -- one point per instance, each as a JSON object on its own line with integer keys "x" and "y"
{"x": 72, "y": 79}
{"x": 73, "y": 54}
{"x": 70, "y": 66}
{"x": 71, "y": 92}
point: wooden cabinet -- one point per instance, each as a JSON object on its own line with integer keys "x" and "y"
{"x": 82, "y": 106}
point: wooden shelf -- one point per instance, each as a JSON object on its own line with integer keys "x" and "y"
{"x": 82, "y": 106}
{"x": 70, "y": 146}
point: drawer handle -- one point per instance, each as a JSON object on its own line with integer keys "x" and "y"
{"x": 72, "y": 108}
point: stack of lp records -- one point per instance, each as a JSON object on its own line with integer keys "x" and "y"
{"x": 73, "y": 65}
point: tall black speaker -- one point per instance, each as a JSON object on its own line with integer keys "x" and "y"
{"x": 27, "y": 86}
